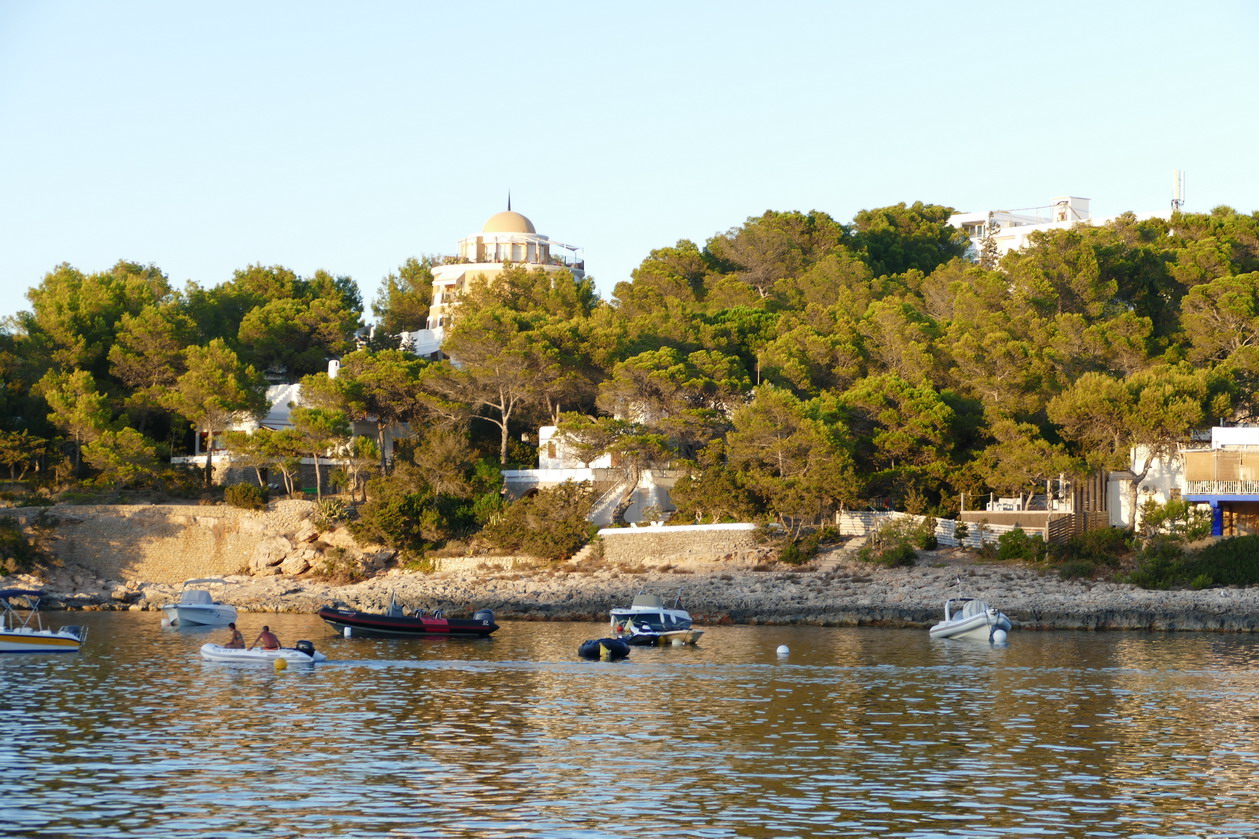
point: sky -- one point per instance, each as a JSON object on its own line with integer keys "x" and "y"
{"x": 206, "y": 137}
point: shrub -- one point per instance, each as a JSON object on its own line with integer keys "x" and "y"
{"x": 245, "y": 496}
{"x": 1228, "y": 562}
{"x": 1158, "y": 564}
{"x": 892, "y": 545}
{"x": 337, "y": 567}
{"x": 801, "y": 550}
{"x": 17, "y": 555}
{"x": 329, "y": 512}
{"x": 1017, "y": 544}
{"x": 1163, "y": 564}
{"x": 550, "y": 524}
{"x": 1093, "y": 550}
{"x": 1178, "y": 518}
{"x": 925, "y": 535}
{"x": 1076, "y": 570}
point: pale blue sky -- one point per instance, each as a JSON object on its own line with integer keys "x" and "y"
{"x": 203, "y": 137}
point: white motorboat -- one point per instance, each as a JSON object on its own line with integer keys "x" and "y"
{"x": 303, "y": 652}
{"x": 966, "y": 617}
{"x": 197, "y": 608}
{"x": 27, "y": 634}
{"x": 647, "y": 622}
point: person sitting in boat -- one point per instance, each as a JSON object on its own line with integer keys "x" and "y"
{"x": 268, "y": 639}
{"x": 235, "y": 640}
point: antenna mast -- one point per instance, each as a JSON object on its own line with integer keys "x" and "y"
{"x": 1178, "y": 190}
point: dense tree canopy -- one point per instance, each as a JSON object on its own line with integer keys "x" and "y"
{"x": 787, "y": 365}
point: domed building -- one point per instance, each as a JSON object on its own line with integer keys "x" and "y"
{"x": 508, "y": 237}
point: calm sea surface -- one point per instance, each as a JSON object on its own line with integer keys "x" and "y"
{"x": 857, "y": 732}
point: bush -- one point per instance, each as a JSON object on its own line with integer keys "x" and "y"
{"x": 1163, "y": 564}
{"x": 801, "y": 550}
{"x": 1085, "y": 554}
{"x": 1104, "y": 546}
{"x": 1228, "y": 562}
{"x": 17, "y": 555}
{"x": 337, "y": 567}
{"x": 1076, "y": 570}
{"x": 245, "y": 496}
{"x": 1158, "y": 564}
{"x": 892, "y": 545}
{"x": 550, "y": 524}
{"x": 1017, "y": 544}
{"x": 329, "y": 512}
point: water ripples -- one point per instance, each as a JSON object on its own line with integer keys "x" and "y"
{"x": 859, "y": 732}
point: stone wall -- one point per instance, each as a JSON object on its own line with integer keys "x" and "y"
{"x": 170, "y": 543}
{"x": 689, "y": 546}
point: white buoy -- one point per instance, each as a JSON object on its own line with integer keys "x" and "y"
{"x": 346, "y": 632}
{"x": 783, "y": 650}
{"x": 998, "y": 637}
{"x": 165, "y": 623}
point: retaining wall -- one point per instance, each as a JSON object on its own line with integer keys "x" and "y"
{"x": 686, "y": 545}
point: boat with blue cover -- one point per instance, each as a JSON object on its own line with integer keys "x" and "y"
{"x": 22, "y": 628}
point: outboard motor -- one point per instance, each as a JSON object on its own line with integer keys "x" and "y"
{"x": 305, "y": 647}
{"x": 483, "y": 615}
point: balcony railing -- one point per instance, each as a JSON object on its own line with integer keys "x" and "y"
{"x": 1223, "y": 488}
{"x": 571, "y": 264}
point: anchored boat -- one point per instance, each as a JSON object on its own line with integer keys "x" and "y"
{"x": 197, "y": 608}
{"x": 966, "y": 617}
{"x": 647, "y": 622}
{"x": 394, "y": 622}
{"x": 25, "y": 633}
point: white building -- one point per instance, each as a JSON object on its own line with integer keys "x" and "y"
{"x": 508, "y": 238}
{"x": 1223, "y": 475}
{"x": 1009, "y": 230}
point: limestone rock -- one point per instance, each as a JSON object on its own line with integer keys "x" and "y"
{"x": 294, "y": 565}
{"x": 269, "y": 553}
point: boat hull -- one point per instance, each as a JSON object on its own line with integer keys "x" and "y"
{"x": 217, "y": 614}
{"x": 679, "y": 638}
{"x": 39, "y": 641}
{"x": 367, "y": 624}
{"x": 974, "y": 628}
{"x": 218, "y": 652}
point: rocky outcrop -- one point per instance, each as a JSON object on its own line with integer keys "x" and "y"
{"x": 170, "y": 543}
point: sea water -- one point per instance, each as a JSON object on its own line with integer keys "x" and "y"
{"x": 850, "y": 732}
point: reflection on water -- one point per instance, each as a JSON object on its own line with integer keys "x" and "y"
{"x": 857, "y": 732}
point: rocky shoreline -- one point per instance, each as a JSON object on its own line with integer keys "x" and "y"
{"x": 832, "y": 590}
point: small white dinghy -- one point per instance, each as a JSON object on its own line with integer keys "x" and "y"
{"x": 971, "y": 619}
{"x": 303, "y": 652}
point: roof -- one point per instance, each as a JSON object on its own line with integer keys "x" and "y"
{"x": 508, "y": 222}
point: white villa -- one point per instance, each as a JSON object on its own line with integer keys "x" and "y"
{"x": 1009, "y": 230}
{"x": 1222, "y": 474}
{"x": 508, "y": 238}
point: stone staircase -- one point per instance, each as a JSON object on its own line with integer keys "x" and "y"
{"x": 582, "y": 555}
{"x": 833, "y": 559}
{"x": 603, "y": 512}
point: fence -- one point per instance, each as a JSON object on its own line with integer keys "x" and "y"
{"x": 852, "y": 523}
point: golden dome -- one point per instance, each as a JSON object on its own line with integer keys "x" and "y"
{"x": 508, "y": 222}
